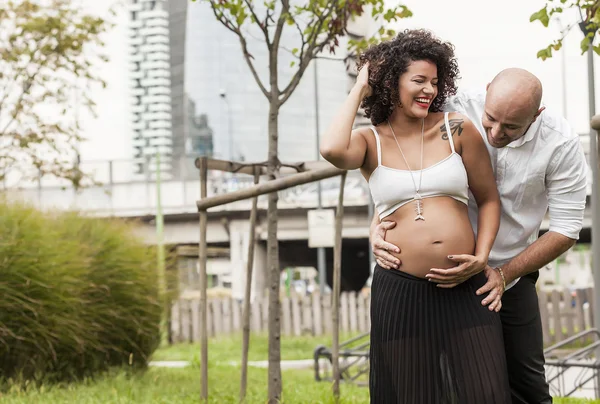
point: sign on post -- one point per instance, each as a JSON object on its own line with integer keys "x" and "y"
{"x": 321, "y": 228}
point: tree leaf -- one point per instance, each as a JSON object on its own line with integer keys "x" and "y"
{"x": 405, "y": 13}
{"x": 241, "y": 17}
{"x": 585, "y": 44}
{"x": 590, "y": 23}
{"x": 544, "y": 53}
{"x": 541, "y": 15}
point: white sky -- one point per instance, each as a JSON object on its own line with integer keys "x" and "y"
{"x": 109, "y": 136}
{"x": 489, "y": 35}
{"x": 492, "y": 35}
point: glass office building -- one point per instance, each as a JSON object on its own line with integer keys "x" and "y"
{"x": 194, "y": 94}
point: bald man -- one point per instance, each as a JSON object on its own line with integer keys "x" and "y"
{"x": 540, "y": 167}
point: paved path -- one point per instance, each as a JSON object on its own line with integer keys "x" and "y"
{"x": 565, "y": 383}
{"x": 291, "y": 364}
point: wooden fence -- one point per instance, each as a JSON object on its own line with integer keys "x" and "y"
{"x": 565, "y": 313}
{"x": 311, "y": 315}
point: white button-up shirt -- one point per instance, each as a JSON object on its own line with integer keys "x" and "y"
{"x": 543, "y": 171}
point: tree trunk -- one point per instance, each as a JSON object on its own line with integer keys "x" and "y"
{"x": 273, "y": 262}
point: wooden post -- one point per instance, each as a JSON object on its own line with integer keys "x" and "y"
{"x": 269, "y": 187}
{"x": 337, "y": 277}
{"x": 248, "y": 291}
{"x": 202, "y": 257}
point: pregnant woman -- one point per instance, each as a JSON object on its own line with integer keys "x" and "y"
{"x": 429, "y": 344}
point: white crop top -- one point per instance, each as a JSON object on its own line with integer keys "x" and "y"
{"x": 392, "y": 188}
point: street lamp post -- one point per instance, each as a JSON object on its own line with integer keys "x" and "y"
{"x": 223, "y": 95}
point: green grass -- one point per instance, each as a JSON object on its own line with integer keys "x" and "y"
{"x": 182, "y": 386}
{"x": 226, "y": 349}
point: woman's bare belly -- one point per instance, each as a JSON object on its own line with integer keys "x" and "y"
{"x": 426, "y": 244}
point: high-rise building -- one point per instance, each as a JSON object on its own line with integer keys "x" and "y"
{"x": 195, "y": 95}
{"x": 150, "y": 71}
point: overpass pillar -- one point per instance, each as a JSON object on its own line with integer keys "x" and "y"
{"x": 239, "y": 231}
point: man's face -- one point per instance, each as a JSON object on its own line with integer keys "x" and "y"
{"x": 506, "y": 119}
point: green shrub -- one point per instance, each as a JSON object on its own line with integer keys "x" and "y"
{"x": 77, "y": 296}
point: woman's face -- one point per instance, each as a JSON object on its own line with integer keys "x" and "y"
{"x": 418, "y": 88}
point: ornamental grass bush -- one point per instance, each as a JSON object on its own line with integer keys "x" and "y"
{"x": 77, "y": 296}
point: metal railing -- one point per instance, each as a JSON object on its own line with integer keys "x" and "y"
{"x": 576, "y": 370}
{"x": 125, "y": 192}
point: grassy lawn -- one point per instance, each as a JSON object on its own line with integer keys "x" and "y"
{"x": 226, "y": 349}
{"x": 182, "y": 386}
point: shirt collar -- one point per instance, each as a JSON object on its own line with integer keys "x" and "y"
{"x": 533, "y": 128}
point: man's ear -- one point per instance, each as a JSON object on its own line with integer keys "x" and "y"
{"x": 538, "y": 113}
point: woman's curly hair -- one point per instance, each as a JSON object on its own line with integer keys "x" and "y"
{"x": 390, "y": 59}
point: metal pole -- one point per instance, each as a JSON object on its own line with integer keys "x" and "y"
{"x": 230, "y": 129}
{"x": 223, "y": 95}
{"x": 564, "y": 82}
{"x": 321, "y": 264}
{"x": 563, "y": 73}
{"x": 595, "y": 184}
{"x": 594, "y": 202}
{"x": 591, "y": 84}
{"x": 594, "y": 163}
{"x": 160, "y": 255}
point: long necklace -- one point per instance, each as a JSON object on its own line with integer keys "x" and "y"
{"x": 418, "y": 199}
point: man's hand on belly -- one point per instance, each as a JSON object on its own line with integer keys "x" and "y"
{"x": 469, "y": 265}
{"x": 495, "y": 287}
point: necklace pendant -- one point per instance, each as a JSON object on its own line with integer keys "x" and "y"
{"x": 419, "y": 207}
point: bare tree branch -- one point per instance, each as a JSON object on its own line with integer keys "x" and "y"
{"x": 41, "y": 52}
{"x": 302, "y": 37}
{"x": 230, "y": 26}
{"x": 269, "y": 16}
{"x": 220, "y": 16}
{"x": 7, "y": 91}
{"x": 263, "y": 26}
{"x": 314, "y": 48}
{"x": 319, "y": 21}
{"x": 247, "y": 56}
{"x": 28, "y": 82}
{"x": 295, "y": 80}
{"x": 280, "y": 23}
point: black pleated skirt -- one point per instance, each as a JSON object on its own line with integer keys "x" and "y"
{"x": 431, "y": 345}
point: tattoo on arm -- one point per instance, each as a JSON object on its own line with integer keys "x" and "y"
{"x": 456, "y": 127}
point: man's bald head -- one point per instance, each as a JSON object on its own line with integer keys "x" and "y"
{"x": 512, "y": 103}
{"x": 520, "y": 86}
